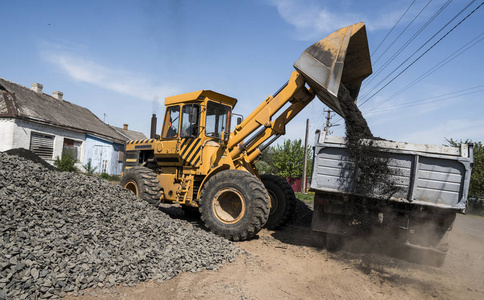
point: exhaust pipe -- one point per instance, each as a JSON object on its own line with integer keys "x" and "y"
{"x": 343, "y": 57}
{"x": 153, "y": 127}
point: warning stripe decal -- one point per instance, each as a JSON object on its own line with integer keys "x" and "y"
{"x": 147, "y": 141}
{"x": 190, "y": 151}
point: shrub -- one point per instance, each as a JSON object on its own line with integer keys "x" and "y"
{"x": 90, "y": 169}
{"x": 66, "y": 162}
{"x": 104, "y": 176}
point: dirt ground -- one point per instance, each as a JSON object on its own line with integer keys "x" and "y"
{"x": 284, "y": 265}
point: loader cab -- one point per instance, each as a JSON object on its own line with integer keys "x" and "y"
{"x": 203, "y": 114}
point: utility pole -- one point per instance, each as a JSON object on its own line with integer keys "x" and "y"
{"x": 328, "y": 118}
{"x": 305, "y": 162}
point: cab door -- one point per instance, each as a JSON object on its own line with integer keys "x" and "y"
{"x": 190, "y": 142}
{"x": 169, "y": 155}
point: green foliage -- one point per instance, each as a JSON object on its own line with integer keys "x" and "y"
{"x": 476, "y": 187}
{"x": 309, "y": 197}
{"x": 285, "y": 160}
{"x": 104, "y": 176}
{"x": 108, "y": 177}
{"x": 90, "y": 169}
{"x": 475, "y": 206}
{"x": 265, "y": 165}
{"x": 66, "y": 162}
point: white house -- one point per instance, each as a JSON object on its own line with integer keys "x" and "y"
{"x": 48, "y": 124}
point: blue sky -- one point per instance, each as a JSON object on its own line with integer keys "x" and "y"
{"x": 122, "y": 58}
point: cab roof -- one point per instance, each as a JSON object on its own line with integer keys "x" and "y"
{"x": 200, "y": 96}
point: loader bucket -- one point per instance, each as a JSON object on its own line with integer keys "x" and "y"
{"x": 342, "y": 57}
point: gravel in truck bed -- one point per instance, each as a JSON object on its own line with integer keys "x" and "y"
{"x": 64, "y": 232}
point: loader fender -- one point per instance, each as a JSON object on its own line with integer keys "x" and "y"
{"x": 213, "y": 172}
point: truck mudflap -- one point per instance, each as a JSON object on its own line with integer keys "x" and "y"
{"x": 343, "y": 57}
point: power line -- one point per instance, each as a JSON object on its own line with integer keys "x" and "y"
{"x": 439, "y": 65}
{"x": 411, "y": 4}
{"x": 429, "y": 99}
{"x": 426, "y": 100}
{"x": 405, "y": 29}
{"x": 415, "y": 52}
{"x": 418, "y": 58}
{"x": 405, "y": 45}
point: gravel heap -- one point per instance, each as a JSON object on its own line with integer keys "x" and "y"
{"x": 303, "y": 214}
{"x": 29, "y": 155}
{"x": 64, "y": 232}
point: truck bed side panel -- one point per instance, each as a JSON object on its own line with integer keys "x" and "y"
{"x": 425, "y": 178}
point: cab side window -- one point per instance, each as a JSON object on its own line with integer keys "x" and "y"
{"x": 190, "y": 120}
{"x": 171, "y": 122}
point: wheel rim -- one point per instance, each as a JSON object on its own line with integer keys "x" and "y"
{"x": 228, "y": 206}
{"x": 274, "y": 202}
{"x": 132, "y": 186}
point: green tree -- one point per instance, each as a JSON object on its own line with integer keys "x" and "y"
{"x": 90, "y": 169}
{"x": 265, "y": 165}
{"x": 288, "y": 159}
{"x": 476, "y": 187}
{"x": 66, "y": 162}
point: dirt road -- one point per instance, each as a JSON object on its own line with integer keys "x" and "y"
{"x": 284, "y": 265}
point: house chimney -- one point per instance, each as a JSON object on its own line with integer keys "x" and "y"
{"x": 58, "y": 95}
{"x": 37, "y": 87}
{"x": 125, "y": 126}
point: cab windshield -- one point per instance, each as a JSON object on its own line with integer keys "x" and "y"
{"x": 217, "y": 120}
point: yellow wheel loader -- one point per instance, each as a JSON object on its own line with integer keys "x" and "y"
{"x": 199, "y": 162}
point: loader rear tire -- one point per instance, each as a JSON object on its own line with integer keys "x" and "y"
{"x": 143, "y": 183}
{"x": 283, "y": 201}
{"x": 234, "y": 204}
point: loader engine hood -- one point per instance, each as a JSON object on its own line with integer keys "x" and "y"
{"x": 342, "y": 57}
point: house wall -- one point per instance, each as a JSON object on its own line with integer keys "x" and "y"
{"x": 6, "y": 133}
{"x": 16, "y": 133}
{"x": 22, "y": 131}
{"x": 104, "y": 155}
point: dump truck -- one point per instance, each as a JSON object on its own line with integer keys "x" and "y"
{"x": 200, "y": 163}
{"x": 433, "y": 182}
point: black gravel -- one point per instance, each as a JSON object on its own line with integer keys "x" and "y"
{"x": 303, "y": 214}
{"x": 369, "y": 172}
{"x": 29, "y": 155}
{"x": 64, "y": 232}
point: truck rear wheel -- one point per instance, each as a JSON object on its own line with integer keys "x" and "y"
{"x": 143, "y": 183}
{"x": 234, "y": 204}
{"x": 283, "y": 200}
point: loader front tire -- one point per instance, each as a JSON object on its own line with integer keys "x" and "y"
{"x": 234, "y": 204}
{"x": 283, "y": 201}
{"x": 143, "y": 183}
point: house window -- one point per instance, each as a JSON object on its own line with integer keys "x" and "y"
{"x": 74, "y": 147}
{"x": 42, "y": 145}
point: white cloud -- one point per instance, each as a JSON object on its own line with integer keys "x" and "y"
{"x": 313, "y": 19}
{"x": 117, "y": 80}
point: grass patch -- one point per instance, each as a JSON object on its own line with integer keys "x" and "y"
{"x": 309, "y": 197}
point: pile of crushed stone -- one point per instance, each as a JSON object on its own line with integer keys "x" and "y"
{"x": 303, "y": 214}
{"x": 64, "y": 232}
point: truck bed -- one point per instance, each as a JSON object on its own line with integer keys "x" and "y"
{"x": 427, "y": 175}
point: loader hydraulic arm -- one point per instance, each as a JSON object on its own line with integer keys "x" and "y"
{"x": 340, "y": 59}
{"x": 294, "y": 92}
